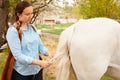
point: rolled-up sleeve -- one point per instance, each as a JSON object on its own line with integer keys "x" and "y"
{"x": 42, "y": 48}
{"x": 15, "y": 46}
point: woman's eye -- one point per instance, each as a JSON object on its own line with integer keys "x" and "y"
{"x": 29, "y": 14}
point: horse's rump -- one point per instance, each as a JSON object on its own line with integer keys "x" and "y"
{"x": 90, "y": 44}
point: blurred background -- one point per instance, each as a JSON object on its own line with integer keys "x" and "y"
{"x": 51, "y": 17}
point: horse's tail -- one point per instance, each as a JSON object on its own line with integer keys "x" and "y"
{"x": 64, "y": 67}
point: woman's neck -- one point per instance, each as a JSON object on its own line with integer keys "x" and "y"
{"x": 24, "y": 25}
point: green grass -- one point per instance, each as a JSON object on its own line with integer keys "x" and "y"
{"x": 53, "y": 29}
{"x": 3, "y": 56}
{"x": 106, "y": 78}
{"x": 56, "y": 31}
{"x": 56, "y": 25}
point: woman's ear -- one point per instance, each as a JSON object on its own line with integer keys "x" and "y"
{"x": 18, "y": 14}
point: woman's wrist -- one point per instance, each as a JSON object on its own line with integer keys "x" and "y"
{"x": 47, "y": 53}
{"x": 36, "y": 62}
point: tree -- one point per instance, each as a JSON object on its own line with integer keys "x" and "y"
{"x": 100, "y": 8}
{"x": 3, "y": 20}
{"x": 39, "y": 6}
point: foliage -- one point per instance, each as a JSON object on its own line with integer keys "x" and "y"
{"x": 94, "y": 8}
{"x": 12, "y": 4}
{"x": 76, "y": 12}
{"x": 100, "y": 8}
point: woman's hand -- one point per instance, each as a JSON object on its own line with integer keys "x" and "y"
{"x": 45, "y": 64}
{"x": 41, "y": 63}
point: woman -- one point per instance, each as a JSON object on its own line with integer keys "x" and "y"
{"x": 25, "y": 48}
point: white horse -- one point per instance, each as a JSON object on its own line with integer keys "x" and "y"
{"x": 90, "y": 49}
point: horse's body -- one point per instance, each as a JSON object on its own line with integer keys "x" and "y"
{"x": 92, "y": 48}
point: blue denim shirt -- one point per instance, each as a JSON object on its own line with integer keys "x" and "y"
{"x": 25, "y": 51}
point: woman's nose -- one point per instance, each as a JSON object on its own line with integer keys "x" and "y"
{"x": 30, "y": 16}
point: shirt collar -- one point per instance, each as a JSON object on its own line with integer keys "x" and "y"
{"x": 22, "y": 28}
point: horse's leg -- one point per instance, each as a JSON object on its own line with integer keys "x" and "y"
{"x": 114, "y": 67}
{"x": 114, "y": 71}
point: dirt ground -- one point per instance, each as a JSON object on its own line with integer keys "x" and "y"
{"x": 50, "y": 41}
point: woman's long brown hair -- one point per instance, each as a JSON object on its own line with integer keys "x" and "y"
{"x": 19, "y": 9}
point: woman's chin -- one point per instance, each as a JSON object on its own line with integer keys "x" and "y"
{"x": 27, "y": 21}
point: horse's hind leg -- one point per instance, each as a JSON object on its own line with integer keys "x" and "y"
{"x": 113, "y": 71}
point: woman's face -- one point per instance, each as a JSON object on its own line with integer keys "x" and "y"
{"x": 26, "y": 15}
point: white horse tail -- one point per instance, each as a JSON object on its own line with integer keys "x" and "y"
{"x": 64, "y": 67}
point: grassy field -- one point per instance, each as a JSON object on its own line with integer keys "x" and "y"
{"x": 50, "y": 41}
{"x": 53, "y": 29}
{"x": 3, "y": 56}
